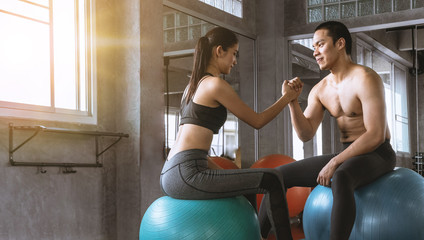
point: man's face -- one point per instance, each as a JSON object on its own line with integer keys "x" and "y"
{"x": 325, "y": 52}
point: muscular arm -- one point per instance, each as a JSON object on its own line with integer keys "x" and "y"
{"x": 370, "y": 92}
{"x": 371, "y": 95}
{"x": 306, "y": 123}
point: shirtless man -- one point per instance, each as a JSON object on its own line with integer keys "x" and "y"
{"x": 354, "y": 96}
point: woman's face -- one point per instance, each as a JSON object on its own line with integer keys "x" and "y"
{"x": 228, "y": 59}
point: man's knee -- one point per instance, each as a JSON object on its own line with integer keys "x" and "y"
{"x": 341, "y": 178}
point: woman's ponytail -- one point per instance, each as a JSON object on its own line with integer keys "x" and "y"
{"x": 201, "y": 59}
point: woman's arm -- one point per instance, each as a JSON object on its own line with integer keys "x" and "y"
{"x": 226, "y": 95}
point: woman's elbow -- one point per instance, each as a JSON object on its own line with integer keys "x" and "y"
{"x": 305, "y": 137}
{"x": 259, "y": 123}
{"x": 257, "y": 126}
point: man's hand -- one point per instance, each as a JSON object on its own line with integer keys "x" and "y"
{"x": 294, "y": 85}
{"x": 326, "y": 173}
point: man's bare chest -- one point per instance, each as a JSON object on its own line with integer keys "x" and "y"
{"x": 341, "y": 103}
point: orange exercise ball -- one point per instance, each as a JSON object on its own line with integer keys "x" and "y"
{"x": 223, "y": 162}
{"x": 296, "y": 196}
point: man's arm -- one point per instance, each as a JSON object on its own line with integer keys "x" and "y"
{"x": 370, "y": 91}
{"x": 306, "y": 123}
{"x": 371, "y": 95}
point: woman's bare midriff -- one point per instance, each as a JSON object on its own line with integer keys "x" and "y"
{"x": 191, "y": 137}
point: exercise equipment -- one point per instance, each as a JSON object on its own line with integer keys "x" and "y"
{"x": 391, "y": 208}
{"x": 296, "y": 196}
{"x": 216, "y": 219}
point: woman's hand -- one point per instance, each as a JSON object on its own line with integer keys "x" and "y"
{"x": 292, "y": 88}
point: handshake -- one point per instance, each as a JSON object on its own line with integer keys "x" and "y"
{"x": 292, "y": 88}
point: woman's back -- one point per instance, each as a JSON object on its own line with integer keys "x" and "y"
{"x": 200, "y": 119}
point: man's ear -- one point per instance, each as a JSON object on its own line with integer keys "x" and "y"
{"x": 341, "y": 43}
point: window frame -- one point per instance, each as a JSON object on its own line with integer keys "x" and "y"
{"x": 51, "y": 113}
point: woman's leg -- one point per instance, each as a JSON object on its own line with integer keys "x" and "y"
{"x": 276, "y": 206}
{"x": 301, "y": 173}
{"x": 192, "y": 179}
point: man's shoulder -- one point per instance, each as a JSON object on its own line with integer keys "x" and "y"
{"x": 322, "y": 83}
{"x": 361, "y": 69}
{"x": 364, "y": 73}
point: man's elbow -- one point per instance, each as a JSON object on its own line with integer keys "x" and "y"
{"x": 378, "y": 139}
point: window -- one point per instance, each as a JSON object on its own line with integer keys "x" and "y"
{"x": 225, "y": 143}
{"x": 324, "y": 10}
{"x": 298, "y": 151}
{"x": 234, "y": 7}
{"x": 394, "y": 77}
{"x": 171, "y": 126}
{"x": 180, "y": 27}
{"x": 46, "y": 60}
{"x": 299, "y": 146}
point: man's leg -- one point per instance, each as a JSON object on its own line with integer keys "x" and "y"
{"x": 352, "y": 174}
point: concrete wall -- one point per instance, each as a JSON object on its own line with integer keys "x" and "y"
{"x": 152, "y": 103}
{"x": 96, "y": 203}
{"x": 270, "y": 45}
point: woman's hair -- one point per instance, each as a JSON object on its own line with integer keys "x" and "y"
{"x": 337, "y": 30}
{"x": 217, "y": 36}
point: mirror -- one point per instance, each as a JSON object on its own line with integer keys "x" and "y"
{"x": 181, "y": 33}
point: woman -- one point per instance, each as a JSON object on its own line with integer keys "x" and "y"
{"x": 188, "y": 173}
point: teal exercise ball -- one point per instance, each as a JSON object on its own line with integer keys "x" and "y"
{"x": 390, "y": 208}
{"x": 215, "y": 219}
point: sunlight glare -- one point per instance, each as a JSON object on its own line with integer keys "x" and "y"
{"x": 25, "y": 61}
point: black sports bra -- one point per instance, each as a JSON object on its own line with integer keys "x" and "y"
{"x": 209, "y": 117}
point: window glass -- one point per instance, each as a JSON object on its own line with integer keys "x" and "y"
{"x": 171, "y": 127}
{"x": 64, "y": 54}
{"x": 318, "y": 140}
{"x": 401, "y": 110}
{"x": 234, "y": 7}
{"x": 44, "y": 56}
{"x": 226, "y": 141}
{"x": 319, "y": 10}
{"x": 24, "y": 61}
{"x": 298, "y": 151}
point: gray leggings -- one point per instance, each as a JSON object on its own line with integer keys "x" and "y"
{"x": 187, "y": 176}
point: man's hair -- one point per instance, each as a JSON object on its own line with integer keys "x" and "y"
{"x": 337, "y": 30}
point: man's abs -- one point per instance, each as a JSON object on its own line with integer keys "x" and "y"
{"x": 351, "y": 128}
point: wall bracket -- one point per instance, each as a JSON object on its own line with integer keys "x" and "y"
{"x": 68, "y": 167}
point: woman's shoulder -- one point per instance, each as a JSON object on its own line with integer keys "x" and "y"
{"x": 213, "y": 83}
